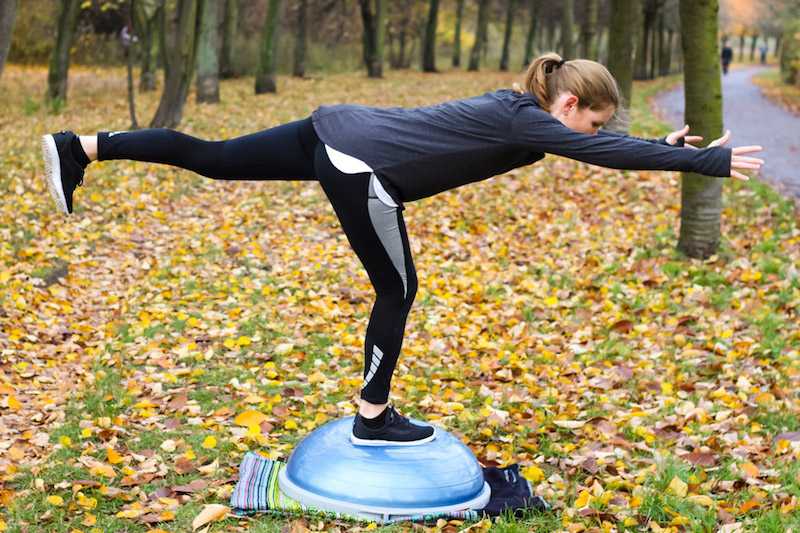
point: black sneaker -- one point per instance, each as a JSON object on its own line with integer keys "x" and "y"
{"x": 61, "y": 171}
{"x": 396, "y": 431}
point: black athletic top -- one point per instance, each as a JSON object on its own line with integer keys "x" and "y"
{"x": 425, "y": 150}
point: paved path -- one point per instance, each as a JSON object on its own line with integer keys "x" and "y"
{"x": 752, "y": 119}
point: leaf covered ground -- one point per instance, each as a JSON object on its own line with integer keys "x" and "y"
{"x": 783, "y": 94}
{"x": 175, "y": 322}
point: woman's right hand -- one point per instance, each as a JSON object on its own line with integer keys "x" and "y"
{"x": 737, "y": 159}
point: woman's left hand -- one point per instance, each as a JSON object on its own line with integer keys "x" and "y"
{"x": 673, "y": 137}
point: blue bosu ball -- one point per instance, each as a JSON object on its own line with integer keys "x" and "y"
{"x": 383, "y": 483}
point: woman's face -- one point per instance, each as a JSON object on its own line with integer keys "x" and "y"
{"x": 583, "y": 120}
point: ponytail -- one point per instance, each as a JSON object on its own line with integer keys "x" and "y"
{"x": 549, "y": 75}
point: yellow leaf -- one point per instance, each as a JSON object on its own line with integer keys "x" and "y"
{"x": 533, "y": 473}
{"x": 13, "y": 403}
{"x": 65, "y": 441}
{"x": 249, "y": 418}
{"x": 290, "y": 424}
{"x": 101, "y": 469}
{"x": 678, "y": 487}
{"x": 570, "y": 424}
{"x": 86, "y": 503}
{"x": 551, "y": 301}
{"x": 229, "y": 343}
{"x": 210, "y": 512}
{"x": 209, "y": 442}
{"x": 636, "y": 501}
{"x": 113, "y": 456}
{"x": 584, "y": 498}
{"x": 701, "y": 499}
{"x": 55, "y": 500}
{"x": 89, "y": 520}
{"x": 129, "y": 513}
{"x": 243, "y": 341}
{"x": 749, "y": 469}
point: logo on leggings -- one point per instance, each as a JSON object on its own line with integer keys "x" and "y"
{"x": 111, "y": 134}
{"x": 377, "y": 354}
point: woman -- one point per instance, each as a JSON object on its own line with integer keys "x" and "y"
{"x": 369, "y": 161}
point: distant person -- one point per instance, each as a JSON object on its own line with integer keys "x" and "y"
{"x": 370, "y": 161}
{"x": 763, "y": 50}
{"x": 727, "y": 57}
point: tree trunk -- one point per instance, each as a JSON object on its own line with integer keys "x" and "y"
{"x": 533, "y": 19}
{"x": 207, "y": 87}
{"x": 480, "y": 35}
{"x": 510, "y": 8}
{"x": 229, "y": 27}
{"x": 131, "y": 93}
{"x": 665, "y": 63}
{"x": 645, "y": 29}
{"x": 551, "y": 35}
{"x": 741, "y": 47}
{"x": 59, "y": 60}
{"x": 657, "y": 42}
{"x": 620, "y": 47}
{"x": 373, "y": 22}
{"x": 701, "y": 196}
{"x": 567, "y": 23}
{"x": 179, "y": 48}
{"x": 753, "y": 43}
{"x": 589, "y": 31}
{"x": 146, "y": 23}
{"x": 299, "y": 68}
{"x": 8, "y": 11}
{"x": 457, "y": 37}
{"x": 429, "y": 40}
{"x": 265, "y": 75}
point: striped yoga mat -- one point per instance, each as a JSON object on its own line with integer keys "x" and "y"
{"x": 257, "y": 491}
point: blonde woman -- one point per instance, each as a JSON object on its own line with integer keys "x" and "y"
{"x": 370, "y": 161}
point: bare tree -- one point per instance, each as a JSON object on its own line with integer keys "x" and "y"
{"x": 480, "y": 35}
{"x": 701, "y": 196}
{"x": 229, "y": 26}
{"x": 567, "y": 25}
{"x": 373, "y": 18}
{"x": 533, "y": 22}
{"x": 265, "y": 75}
{"x": 207, "y": 88}
{"x": 59, "y": 60}
{"x": 8, "y": 11}
{"x": 457, "y": 33}
{"x": 179, "y": 46}
{"x": 511, "y": 6}
{"x": 299, "y": 67}
{"x": 620, "y": 48}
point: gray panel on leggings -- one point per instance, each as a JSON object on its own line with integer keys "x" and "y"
{"x": 384, "y": 220}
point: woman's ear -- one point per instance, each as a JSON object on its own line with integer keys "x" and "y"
{"x": 571, "y": 102}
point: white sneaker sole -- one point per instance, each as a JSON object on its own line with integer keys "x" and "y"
{"x": 52, "y": 172}
{"x": 369, "y": 442}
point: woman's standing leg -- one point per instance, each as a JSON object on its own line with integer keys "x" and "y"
{"x": 377, "y": 234}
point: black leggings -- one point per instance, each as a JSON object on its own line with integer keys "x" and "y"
{"x": 374, "y": 226}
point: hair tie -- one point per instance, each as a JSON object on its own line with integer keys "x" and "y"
{"x": 561, "y": 63}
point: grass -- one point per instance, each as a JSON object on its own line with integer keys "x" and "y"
{"x": 156, "y": 334}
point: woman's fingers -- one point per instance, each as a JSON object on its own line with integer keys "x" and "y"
{"x": 693, "y": 138}
{"x": 722, "y": 140}
{"x": 749, "y": 159}
{"x": 746, "y": 149}
{"x": 742, "y": 164}
{"x": 687, "y": 145}
{"x": 739, "y": 175}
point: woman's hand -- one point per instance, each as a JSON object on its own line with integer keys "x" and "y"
{"x": 673, "y": 137}
{"x": 738, "y": 160}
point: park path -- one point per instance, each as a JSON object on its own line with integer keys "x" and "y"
{"x": 752, "y": 119}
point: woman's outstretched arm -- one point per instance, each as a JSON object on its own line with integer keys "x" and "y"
{"x": 542, "y": 132}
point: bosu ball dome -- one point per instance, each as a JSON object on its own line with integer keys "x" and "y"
{"x": 383, "y": 483}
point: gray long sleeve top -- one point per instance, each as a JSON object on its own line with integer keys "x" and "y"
{"x": 426, "y": 150}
